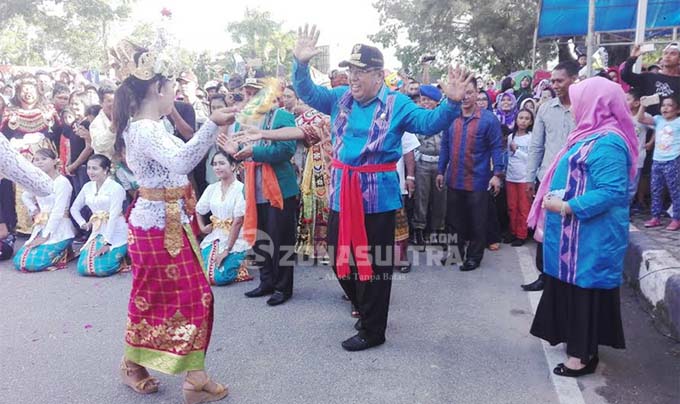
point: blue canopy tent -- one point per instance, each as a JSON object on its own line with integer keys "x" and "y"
{"x": 628, "y": 19}
{"x": 570, "y": 17}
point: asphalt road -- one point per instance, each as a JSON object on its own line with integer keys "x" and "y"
{"x": 453, "y": 337}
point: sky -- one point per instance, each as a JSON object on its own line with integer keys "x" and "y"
{"x": 201, "y": 24}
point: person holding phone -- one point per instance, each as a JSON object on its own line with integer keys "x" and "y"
{"x": 665, "y": 83}
{"x": 474, "y": 137}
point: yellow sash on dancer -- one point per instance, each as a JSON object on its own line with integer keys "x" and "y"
{"x": 98, "y": 219}
{"x": 173, "y": 217}
{"x": 42, "y": 218}
{"x": 224, "y": 225}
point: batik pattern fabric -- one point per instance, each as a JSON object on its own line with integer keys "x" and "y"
{"x": 224, "y": 207}
{"x": 313, "y": 223}
{"x": 45, "y": 257}
{"x": 52, "y": 222}
{"x": 233, "y": 268}
{"x": 110, "y": 263}
{"x": 108, "y": 226}
{"x": 401, "y": 230}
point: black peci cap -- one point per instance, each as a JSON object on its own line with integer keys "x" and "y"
{"x": 364, "y": 56}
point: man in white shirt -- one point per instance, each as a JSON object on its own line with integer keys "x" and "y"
{"x": 103, "y": 139}
{"x": 188, "y": 84}
{"x": 406, "y": 168}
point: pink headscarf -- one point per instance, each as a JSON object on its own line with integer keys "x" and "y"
{"x": 599, "y": 106}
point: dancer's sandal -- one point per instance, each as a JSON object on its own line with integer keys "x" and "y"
{"x": 137, "y": 378}
{"x": 203, "y": 392}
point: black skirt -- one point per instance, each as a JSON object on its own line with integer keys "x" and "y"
{"x": 581, "y": 318}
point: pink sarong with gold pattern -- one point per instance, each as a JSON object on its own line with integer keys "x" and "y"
{"x": 170, "y": 313}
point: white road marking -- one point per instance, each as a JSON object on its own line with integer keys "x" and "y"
{"x": 566, "y": 388}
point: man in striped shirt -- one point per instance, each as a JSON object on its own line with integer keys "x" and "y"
{"x": 470, "y": 148}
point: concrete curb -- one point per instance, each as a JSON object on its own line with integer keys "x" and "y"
{"x": 656, "y": 274}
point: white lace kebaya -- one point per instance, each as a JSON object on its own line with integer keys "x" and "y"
{"x": 53, "y": 221}
{"x": 158, "y": 159}
{"x": 16, "y": 168}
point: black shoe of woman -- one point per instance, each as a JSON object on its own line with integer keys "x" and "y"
{"x": 563, "y": 370}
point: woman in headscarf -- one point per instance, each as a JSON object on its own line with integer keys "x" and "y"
{"x": 529, "y": 104}
{"x": 507, "y": 84}
{"x": 506, "y": 109}
{"x": 581, "y": 213}
{"x": 484, "y": 100}
{"x": 524, "y": 91}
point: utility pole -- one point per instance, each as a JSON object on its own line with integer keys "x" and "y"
{"x": 640, "y": 30}
{"x": 590, "y": 39}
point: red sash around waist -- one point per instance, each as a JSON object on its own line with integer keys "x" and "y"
{"x": 352, "y": 228}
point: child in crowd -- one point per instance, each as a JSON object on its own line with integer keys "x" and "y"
{"x": 666, "y": 164}
{"x": 516, "y": 176}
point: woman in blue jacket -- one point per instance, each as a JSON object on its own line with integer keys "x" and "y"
{"x": 581, "y": 210}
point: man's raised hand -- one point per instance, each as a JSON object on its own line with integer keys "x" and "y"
{"x": 305, "y": 47}
{"x": 458, "y": 80}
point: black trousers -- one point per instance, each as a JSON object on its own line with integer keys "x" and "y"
{"x": 371, "y": 298}
{"x": 275, "y": 252}
{"x": 467, "y": 212}
{"x": 498, "y": 222}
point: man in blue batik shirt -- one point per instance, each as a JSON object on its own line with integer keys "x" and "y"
{"x": 367, "y": 123}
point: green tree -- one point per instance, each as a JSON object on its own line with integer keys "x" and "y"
{"x": 260, "y": 37}
{"x": 63, "y": 32}
{"x": 492, "y": 36}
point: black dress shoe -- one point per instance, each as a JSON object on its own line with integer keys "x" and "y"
{"x": 405, "y": 269}
{"x": 562, "y": 369}
{"x": 357, "y": 343}
{"x": 259, "y": 292}
{"x": 277, "y": 299}
{"x": 536, "y": 285}
{"x": 469, "y": 265}
{"x": 518, "y": 242}
{"x": 358, "y": 325}
{"x": 445, "y": 259}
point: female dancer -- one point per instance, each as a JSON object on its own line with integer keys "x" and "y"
{"x": 170, "y": 311}
{"x": 223, "y": 249}
{"x": 18, "y": 170}
{"x": 49, "y": 246}
{"x": 105, "y": 250}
